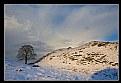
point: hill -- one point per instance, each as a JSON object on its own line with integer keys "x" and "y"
{"x": 88, "y": 58}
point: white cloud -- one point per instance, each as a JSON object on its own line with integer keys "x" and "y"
{"x": 84, "y": 24}
{"x": 29, "y": 23}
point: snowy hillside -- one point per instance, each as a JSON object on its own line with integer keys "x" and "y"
{"x": 92, "y": 61}
{"x": 21, "y": 72}
{"x": 17, "y": 71}
{"x": 88, "y": 58}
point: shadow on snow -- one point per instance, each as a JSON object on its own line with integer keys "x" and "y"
{"x": 105, "y": 74}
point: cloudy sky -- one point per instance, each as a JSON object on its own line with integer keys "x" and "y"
{"x": 48, "y": 27}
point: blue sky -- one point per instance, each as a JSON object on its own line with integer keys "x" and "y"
{"x": 58, "y": 26}
{"x": 112, "y": 37}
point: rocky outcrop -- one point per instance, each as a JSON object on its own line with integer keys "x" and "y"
{"x": 89, "y": 58}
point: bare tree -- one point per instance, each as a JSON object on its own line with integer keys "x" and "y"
{"x": 26, "y": 52}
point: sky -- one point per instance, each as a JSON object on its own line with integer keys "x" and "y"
{"x": 51, "y": 26}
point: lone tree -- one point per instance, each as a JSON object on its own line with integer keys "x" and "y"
{"x": 26, "y": 52}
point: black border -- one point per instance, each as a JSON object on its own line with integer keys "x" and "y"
{"x": 61, "y": 1}
{"x": 42, "y": 2}
{"x": 2, "y": 44}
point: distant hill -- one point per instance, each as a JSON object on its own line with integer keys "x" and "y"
{"x": 88, "y": 58}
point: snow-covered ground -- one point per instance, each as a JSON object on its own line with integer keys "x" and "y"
{"x": 88, "y": 62}
{"x": 15, "y": 70}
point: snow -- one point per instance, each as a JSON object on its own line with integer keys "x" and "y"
{"x": 87, "y": 58}
{"x": 20, "y": 71}
{"x": 106, "y": 74}
{"x": 15, "y": 71}
{"x": 58, "y": 67}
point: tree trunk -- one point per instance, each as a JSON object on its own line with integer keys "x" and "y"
{"x": 26, "y": 58}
